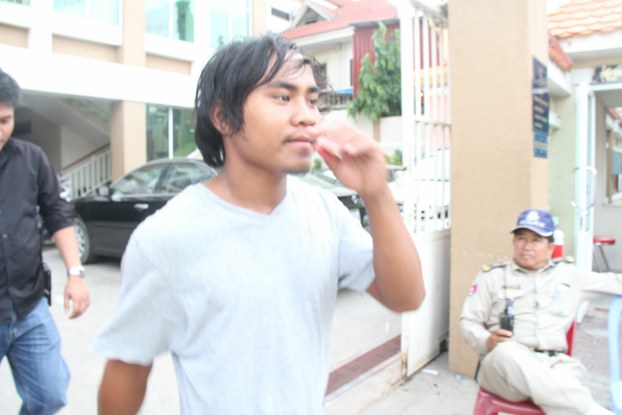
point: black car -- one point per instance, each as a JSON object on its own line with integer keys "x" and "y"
{"x": 106, "y": 219}
{"x": 347, "y": 196}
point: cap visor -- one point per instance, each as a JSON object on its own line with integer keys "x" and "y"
{"x": 533, "y": 229}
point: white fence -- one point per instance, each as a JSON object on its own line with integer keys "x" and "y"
{"x": 89, "y": 174}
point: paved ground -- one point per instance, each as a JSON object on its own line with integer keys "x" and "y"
{"x": 360, "y": 325}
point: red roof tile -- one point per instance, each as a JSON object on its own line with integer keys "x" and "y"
{"x": 557, "y": 54}
{"x": 348, "y": 13}
{"x": 584, "y": 17}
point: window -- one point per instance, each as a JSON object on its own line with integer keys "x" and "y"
{"x": 139, "y": 182}
{"x": 170, "y": 132}
{"x": 157, "y": 132}
{"x": 614, "y": 161}
{"x": 182, "y": 175}
{"x": 616, "y": 171}
{"x": 351, "y": 73}
{"x": 170, "y": 18}
{"x": 106, "y": 11}
{"x": 228, "y": 20}
{"x": 22, "y": 2}
{"x": 183, "y": 132}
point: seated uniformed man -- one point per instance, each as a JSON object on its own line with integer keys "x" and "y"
{"x": 516, "y": 316}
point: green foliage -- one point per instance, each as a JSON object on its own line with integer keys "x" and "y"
{"x": 395, "y": 159}
{"x": 379, "y": 92}
{"x": 317, "y": 165}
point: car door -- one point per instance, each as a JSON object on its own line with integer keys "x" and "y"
{"x": 130, "y": 200}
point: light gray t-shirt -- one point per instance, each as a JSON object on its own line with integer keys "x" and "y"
{"x": 244, "y": 301}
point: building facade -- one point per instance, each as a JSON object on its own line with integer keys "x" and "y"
{"x": 116, "y": 78}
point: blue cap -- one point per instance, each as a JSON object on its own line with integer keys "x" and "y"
{"x": 536, "y": 220}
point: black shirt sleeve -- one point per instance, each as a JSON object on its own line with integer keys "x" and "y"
{"x": 57, "y": 213}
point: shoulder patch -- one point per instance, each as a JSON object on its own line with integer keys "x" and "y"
{"x": 473, "y": 289}
{"x": 569, "y": 259}
{"x": 488, "y": 267}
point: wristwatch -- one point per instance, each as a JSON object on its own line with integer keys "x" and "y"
{"x": 77, "y": 271}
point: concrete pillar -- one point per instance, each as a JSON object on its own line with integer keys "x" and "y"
{"x": 128, "y": 125}
{"x": 132, "y": 51}
{"x": 494, "y": 172}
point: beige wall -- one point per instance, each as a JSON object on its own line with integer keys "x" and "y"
{"x": 13, "y": 36}
{"x": 128, "y": 124}
{"x": 127, "y": 137}
{"x": 162, "y": 63}
{"x": 494, "y": 173}
{"x": 84, "y": 49}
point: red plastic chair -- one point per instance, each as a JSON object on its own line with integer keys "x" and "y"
{"x": 600, "y": 260}
{"x": 488, "y": 403}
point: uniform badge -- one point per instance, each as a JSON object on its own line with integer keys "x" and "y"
{"x": 473, "y": 289}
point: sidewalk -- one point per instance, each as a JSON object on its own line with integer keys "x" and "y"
{"x": 430, "y": 389}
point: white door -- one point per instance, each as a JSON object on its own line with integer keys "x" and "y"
{"x": 584, "y": 176}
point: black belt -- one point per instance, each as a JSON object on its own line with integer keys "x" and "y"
{"x": 549, "y": 352}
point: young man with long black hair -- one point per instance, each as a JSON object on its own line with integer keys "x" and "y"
{"x": 238, "y": 277}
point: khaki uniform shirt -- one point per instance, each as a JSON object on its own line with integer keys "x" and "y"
{"x": 545, "y": 302}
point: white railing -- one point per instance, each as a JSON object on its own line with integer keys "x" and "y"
{"x": 426, "y": 122}
{"x": 87, "y": 175}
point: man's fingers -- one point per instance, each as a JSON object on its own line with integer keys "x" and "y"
{"x": 76, "y": 305}
{"x": 67, "y": 302}
{"x": 326, "y": 146}
{"x": 79, "y": 307}
{"x": 504, "y": 333}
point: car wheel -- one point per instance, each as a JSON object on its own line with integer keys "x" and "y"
{"x": 84, "y": 242}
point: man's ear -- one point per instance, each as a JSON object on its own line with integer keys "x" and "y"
{"x": 218, "y": 120}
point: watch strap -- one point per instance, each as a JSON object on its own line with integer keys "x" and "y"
{"x": 77, "y": 271}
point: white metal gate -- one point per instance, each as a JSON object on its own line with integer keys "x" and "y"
{"x": 426, "y": 182}
{"x": 426, "y": 120}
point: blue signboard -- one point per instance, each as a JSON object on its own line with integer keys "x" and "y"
{"x": 540, "y": 145}
{"x": 540, "y": 104}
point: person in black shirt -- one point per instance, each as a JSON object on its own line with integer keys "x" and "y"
{"x": 29, "y": 337}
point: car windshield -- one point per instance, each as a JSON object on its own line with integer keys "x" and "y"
{"x": 140, "y": 181}
{"x": 182, "y": 175}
